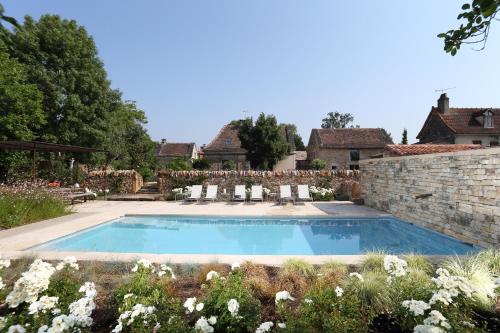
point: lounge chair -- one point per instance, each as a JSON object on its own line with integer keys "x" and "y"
{"x": 211, "y": 193}
{"x": 239, "y": 193}
{"x": 256, "y": 194}
{"x": 303, "y": 193}
{"x": 286, "y": 194}
{"x": 195, "y": 193}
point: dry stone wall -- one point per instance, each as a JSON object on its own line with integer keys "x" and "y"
{"x": 167, "y": 180}
{"x": 454, "y": 193}
{"x": 116, "y": 181}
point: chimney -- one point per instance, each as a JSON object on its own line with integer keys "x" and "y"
{"x": 443, "y": 103}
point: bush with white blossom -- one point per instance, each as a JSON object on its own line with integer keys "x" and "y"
{"x": 321, "y": 193}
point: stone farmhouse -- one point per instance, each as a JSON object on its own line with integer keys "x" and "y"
{"x": 342, "y": 148}
{"x": 422, "y": 149}
{"x": 226, "y": 146}
{"x": 461, "y": 125}
{"x": 168, "y": 151}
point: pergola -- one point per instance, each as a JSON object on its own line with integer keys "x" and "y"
{"x": 37, "y": 146}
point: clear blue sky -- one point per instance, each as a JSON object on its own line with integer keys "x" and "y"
{"x": 192, "y": 66}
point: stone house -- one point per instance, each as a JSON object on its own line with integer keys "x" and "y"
{"x": 461, "y": 125}
{"x": 422, "y": 149}
{"x": 293, "y": 161}
{"x": 226, "y": 146}
{"x": 168, "y": 151}
{"x": 342, "y": 148}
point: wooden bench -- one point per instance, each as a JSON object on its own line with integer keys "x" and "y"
{"x": 82, "y": 197}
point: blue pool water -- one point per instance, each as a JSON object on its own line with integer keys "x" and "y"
{"x": 245, "y": 235}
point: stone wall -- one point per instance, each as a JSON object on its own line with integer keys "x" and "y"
{"x": 454, "y": 193}
{"x": 117, "y": 181}
{"x": 167, "y": 180}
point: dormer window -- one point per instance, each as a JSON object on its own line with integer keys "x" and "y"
{"x": 488, "y": 119}
{"x": 227, "y": 142}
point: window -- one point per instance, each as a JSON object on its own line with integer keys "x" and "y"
{"x": 477, "y": 142}
{"x": 334, "y": 167}
{"x": 354, "y": 167}
{"x": 227, "y": 142}
{"x": 488, "y": 119}
{"x": 354, "y": 155}
{"x": 493, "y": 143}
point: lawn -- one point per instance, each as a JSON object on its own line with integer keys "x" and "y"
{"x": 383, "y": 294}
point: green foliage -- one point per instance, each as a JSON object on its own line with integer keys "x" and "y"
{"x": 418, "y": 262}
{"x": 178, "y": 164}
{"x": 404, "y": 137}
{"x": 478, "y": 15}
{"x": 317, "y": 164}
{"x": 299, "y": 266}
{"x": 337, "y": 120}
{"x": 264, "y": 141}
{"x": 218, "y": 294}
{"x": 373, "y": 291}
{"x": 24, "y": 207}
{"x": 228, "y": 165}
{"x": 387, "y": 135}
{"x": 201, "y": 164}
{"x": 65, "y": 284}
{"x": 373, "y": 261}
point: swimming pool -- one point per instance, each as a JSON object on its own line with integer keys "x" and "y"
{"x": 259, "y": 236}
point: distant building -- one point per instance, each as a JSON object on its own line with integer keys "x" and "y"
{"x": 295, "y": 160}
{"x": 461, "y": 125}
{"x": 169, "y": 151}
{"x": 342, "y": 148}
{"x": 226, "y": 146}
{"x": 421, "y": 149}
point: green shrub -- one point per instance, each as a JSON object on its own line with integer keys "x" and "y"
{"x": 373, "y": 261}
{"x": 179, "y": 164}
{"x": 201, "y": 164}
{"x": 418, "y": 262}
{"x": 27, "y": 206}
{"x": 373, "y": 291}
{"x": 299, "y": 266}
{"x": 318, "y": 164}
{"x": 218, "y": 295}
{"x": 228, "y": 165}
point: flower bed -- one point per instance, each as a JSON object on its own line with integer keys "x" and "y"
{"x": 384, "y": 294}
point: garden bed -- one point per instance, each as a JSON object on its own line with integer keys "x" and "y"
{"x": 379, "y": 295}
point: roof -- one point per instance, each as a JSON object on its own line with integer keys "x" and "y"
{"x": 300, "y": 155}
{"x": 352, "y": 137}
{"x": 421, "y": 149}
{"x": 227, "y": 140}
{"x": 176, "y": 149}
{"x": 463, "y": 120}
{"x": 45, "y": 146}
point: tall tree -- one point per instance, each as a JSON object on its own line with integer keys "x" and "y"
{"x": 337, "y": 120}
{"x": 477, "y": 16}
{"x": 404, "y": 138}
{"x": 263, "y": 140}
{"x": 295, "y": 136}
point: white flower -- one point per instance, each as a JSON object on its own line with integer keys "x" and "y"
{"x": 235, "y": 266}
{"x": 127, "y": 296}
{"x": 468, "y": 324}
{"x": 31, "y": 283}
{"x": 436, "y": 318}
{"x": 4, "y": 263}
{"x": 43, "y": 329}
{"x": 395, "y": 266}
{"x": 211, "y": 275}
{"x": 283, "y": 296}
{"x": 164, "y": 268}
{"x": 199, "y": 307}
{"x": 203, "y": 325}
{"x": 16, "y": 329}
{"x": 89, "y": 289}
{"x": 212, "y": 320}
{"x": 138, "y": 311}
{"x": 339, "y": 291}
{"x": 427, "y": 329}
{"x": 264, "y": 327}
{"x": 3, "y": 322}
{"x": 233, "y": 306}
{"x": 68, "y": 262}
{"x": 308, "y": 301}
{"x": 145, "y": 263}
{"x": 357, "y": 275}
{"x": 44, "y": 304}
{"x": 2, "y": 285}
{"x": 416, "y": 307}
{"x": 189, "y": 304}
{"x": 281, "y": 325}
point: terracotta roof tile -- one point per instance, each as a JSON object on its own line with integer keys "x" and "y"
{"x": 352, "y": 137}
{"x": 226, "y": 140}
{"x": 176, "y": 149}
{"x": 420, "y": 149}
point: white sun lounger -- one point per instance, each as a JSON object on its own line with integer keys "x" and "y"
{"x": 211, "y": 193}
{"x": 286, "y": 193}
{"x": 239, "y": 193}
{"x": 256, "y": 193}
{"x": 303, "y": 192}
{"x": 195, "y": 193}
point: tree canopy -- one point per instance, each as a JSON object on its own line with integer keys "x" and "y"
{"x": 337, "y": 120}
{"x": 477, "y": 16}
{"x": 263, "y": 140}
{"x": 54, "y": 88}
{"x": 404, "y": 137}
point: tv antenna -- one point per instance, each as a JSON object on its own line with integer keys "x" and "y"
{"x": 443, "y": 90}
